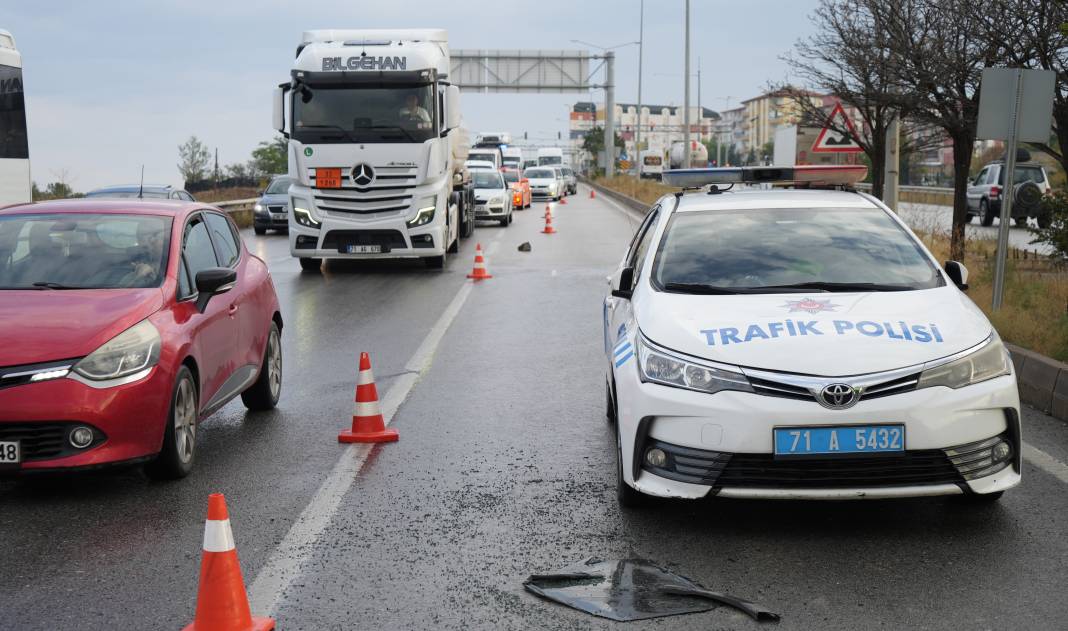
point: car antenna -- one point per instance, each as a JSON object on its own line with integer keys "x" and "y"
{"x": 141, "y": 188}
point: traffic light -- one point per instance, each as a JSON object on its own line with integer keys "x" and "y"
{"x": 524, "y": 135}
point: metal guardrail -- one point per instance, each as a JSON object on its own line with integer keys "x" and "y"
{"x": 236, "y": 205}
{"x": 913, "y": 189}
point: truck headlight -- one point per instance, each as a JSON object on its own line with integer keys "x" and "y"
{"x": 425, "y": 214}
{"x": 987, "y": 362}
{"x": 129, "y": 352}
{"x": 657, "y": 366}
{"x": 302, "y": 214}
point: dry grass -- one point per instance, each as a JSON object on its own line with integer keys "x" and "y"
{"x": 226, "y": 194}
{"x": 1034, "y": 314}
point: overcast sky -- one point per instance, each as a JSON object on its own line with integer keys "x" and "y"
{"x": 111, "y": 85}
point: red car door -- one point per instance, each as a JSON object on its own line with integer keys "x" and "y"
{"x": 214, "y": 331}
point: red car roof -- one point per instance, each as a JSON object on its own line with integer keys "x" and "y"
{"x": 130, "y": 206}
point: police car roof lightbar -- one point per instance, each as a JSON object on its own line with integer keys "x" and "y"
{"x": 808, "y": 175}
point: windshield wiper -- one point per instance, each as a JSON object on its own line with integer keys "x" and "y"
{"x": 344, "y": 132}
{"x": 840, "y": 287}
{"x": 700, "y": 288}
{"x": 50, "y": 285}
{"x": 397, "y": 127}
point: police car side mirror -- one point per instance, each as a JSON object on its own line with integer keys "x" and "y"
{"x": 958, "y": 274}
{"x": 624, "y": 286}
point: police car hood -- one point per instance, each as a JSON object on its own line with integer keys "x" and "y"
{"x": 826, "y": 334}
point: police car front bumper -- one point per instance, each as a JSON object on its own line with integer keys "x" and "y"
{"x": 722, "y": 444}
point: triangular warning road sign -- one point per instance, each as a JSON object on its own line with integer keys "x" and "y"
{"x": 832, "y": 141}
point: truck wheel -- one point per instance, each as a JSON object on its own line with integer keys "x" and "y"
{"x": 435, "y": 262}
{"x": 986, "y": 216}
{"x": 310, "y": 265}
{"x": 455, "y": 247}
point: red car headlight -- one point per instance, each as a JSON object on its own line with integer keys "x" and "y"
{"x": 132, "y": 351}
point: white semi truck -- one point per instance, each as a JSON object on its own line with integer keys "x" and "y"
{"x": 374, "y": 147}
{"x": 14, "y": 150}
{"x": 698, "y": 155}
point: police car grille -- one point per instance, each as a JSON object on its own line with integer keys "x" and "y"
{"x": 920, "y": 467}
{"x": 770, "y": 388}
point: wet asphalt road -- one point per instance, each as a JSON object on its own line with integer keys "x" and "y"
{"x": 504, "y": 468}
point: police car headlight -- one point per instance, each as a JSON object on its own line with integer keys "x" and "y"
{"x": 669, "y": 370}
{"x": 987, "y": 362}
{"x": 425, "y": 214}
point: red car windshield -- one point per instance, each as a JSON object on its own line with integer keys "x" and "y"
{"x": 75, "y": 251}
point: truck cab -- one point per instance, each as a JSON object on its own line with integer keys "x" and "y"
{"x": 370, "y": 117}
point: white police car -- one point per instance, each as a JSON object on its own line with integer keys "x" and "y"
{"x": 791, "y": 343}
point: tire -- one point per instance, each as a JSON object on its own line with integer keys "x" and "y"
{"x": 1021, "y": 222}
{"x": 626, "y": 495}
{"x": 259, "y": 230}
{"x": 986, "y": 216}
{"x": 435, "y": 262}
{"x": 609, "y": 404}
{"x": 176, "y": 456}
{"x": 264, "y": 392}
{"x": 310, "y": 265}
{"x": 503, "y": 221}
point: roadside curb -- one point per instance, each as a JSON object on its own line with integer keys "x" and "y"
{"x": 1043, "y": 382}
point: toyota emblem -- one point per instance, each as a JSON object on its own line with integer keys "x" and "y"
{"x": 838, "y": 396}
{"x": 363, "y": 174}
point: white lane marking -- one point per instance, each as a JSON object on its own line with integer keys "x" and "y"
{"x": 1046, "y": 462}
{"x": 286, "y": 562}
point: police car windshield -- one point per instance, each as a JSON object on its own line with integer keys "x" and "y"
{"x": 776, "y": 250}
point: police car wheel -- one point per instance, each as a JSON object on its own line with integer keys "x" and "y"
{"x": 626, "y": 495}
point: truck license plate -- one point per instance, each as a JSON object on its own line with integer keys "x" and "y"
{"x": 364, "y": 249}
{"x": 846, "y": 439}
{"x": 10, "y": 453}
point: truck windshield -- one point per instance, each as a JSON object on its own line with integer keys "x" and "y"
{"x": 327, "y": 114}
{"x": 550, "y": 160}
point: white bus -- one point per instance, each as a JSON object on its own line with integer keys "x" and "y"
{"x": 14, "y": 150}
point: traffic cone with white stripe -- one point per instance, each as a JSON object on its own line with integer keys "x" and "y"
{"x": 368, "y": 426}
{"x": 548, "y": 222}
{"x": 222, "y": 603}
{"x": 479, "y": 272}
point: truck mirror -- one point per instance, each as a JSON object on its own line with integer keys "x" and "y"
{"x": 452, "y": 108}
{"x": 279, "y": 109}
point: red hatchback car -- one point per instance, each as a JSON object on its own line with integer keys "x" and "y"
{"x": 123, "y": 323}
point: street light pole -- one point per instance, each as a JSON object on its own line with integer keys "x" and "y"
{"x": 609, "y": 113}
{"x": 638, "y": 129}
{"x": 686, "y": 94}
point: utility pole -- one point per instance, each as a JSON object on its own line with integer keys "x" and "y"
{"x": 609, "y": 113}
{"x": 638, "y": 130}
{"x": 686, "y": 94}
{"x": 893, "y": 163}
{"x": 700, "y": 110}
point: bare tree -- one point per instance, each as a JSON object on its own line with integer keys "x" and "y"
{"x": 194, "y": 158}
{"x": 938, "y": 50}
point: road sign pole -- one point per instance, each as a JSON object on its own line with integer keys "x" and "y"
{"x": 1007, "y": 193}
{"x": 890, "y": 170}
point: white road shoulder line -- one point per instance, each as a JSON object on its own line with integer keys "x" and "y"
{"x": 286, "y": 562}
{"x": 1046, "y": 462}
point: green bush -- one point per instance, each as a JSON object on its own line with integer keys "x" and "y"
{"x": 1055, "y": 234}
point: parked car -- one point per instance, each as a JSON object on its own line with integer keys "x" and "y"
{"x": 493, "y": 199}
{"x": 124, "y": 323}
{"x": 543, "y": 182}
{"x": 271, "y": 212}
{"x": 570, "y": 180}
{"x": 520, "y": 188}
{"x": 987, "y": 190}
{"x": 146, "y": 191}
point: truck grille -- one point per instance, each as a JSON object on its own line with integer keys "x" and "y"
{"x": 391, "y": 190}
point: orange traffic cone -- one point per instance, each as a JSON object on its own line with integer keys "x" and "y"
{"x": 479, "y": 272}
{"x": 368, "y": 426}
{"x": 222, "y": 603}
{"x": 548, "y": 223}
{"x": 563, "y": 200}
{"x": 593, "y": 193}
{"x": 548, "y": 210}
